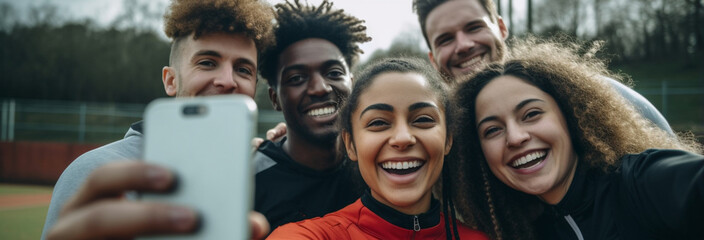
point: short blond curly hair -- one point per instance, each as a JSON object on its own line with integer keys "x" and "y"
{"x": 253, "y": 18}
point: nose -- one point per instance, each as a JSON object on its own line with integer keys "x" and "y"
{"x": 226, "y": 80}
{"x": 464, "y": 42}
{"x": 516, "y": 136}
{"x": 402, "y": 138}
{"x": 317, "y": 86}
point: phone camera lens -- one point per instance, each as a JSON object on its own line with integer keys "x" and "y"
{"x": 191, "y": 110}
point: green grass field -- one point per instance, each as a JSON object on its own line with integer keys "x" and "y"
{"x": 22, "y": 223}
{"x": 6, "y": 189}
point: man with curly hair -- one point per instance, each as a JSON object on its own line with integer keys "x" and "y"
{"x": 215, "y": 50}
{"x": 309, "y": 77}
{"x": 465, "y": 35}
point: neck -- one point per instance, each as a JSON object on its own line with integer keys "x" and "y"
{"x": 318, "y": 156}
{"x": 421, "y": 206}
{"x": 426, "y": 219}
{"x": 554, "y": 196}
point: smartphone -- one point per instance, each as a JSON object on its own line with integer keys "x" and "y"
{"x": 205, "y": 141}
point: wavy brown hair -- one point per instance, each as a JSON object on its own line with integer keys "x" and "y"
{"x": 253, "y": 18}
{"x": 603, "y": 127}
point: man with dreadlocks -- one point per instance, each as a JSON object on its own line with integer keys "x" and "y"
{"x": 215, "y": 49}
{"x": 309, "y": 77}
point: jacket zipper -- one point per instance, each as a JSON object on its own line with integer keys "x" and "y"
{"x": 416, "y": 224}
{"x": 416, "y": 227}
{"x": 574, "y": 226}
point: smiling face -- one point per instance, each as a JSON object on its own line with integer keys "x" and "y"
{"x": 399, "y": 140}
{"x": 313, "y": 79}
{"x": 463, "y": 37}
{"x": 525, "y": 138}
{"x": 216, "y": 63}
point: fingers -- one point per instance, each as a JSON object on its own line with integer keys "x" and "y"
{"x": 123, "y": 219}
{"x": 276, "y": 132}
{"x": 113, "y": 179}
{"x": 260, "y": 226}
{"x": 256, "y": 142}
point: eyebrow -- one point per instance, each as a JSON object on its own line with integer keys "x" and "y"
{"x": 248, "y": 61}
{"x": 515, "y": 109}
{"x": 241, "y": 60}
{"x": 206, "y": 53}
{"x": 387, "y": 107}
{"x": 420, "y": 105}
{"x": 471, "y": 22}
{"x": 377, "y": 106}
{"x": 325, "y": 64}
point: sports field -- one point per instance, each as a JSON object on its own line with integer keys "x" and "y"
{"x": 22, "y": 210}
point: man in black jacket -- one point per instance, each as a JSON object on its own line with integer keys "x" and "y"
{"x": 309, "y": 78}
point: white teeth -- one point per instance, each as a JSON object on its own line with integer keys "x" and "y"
{"x": 401, "y": 165}
{"x": 471, "y": 61}
{"x": 322, "y": 111}
{"x": 528, "y": 158}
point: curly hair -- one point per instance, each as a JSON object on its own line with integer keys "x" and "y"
{"x": 603, "y": 127}
{"x": 424, "y": 7}
{"x": 437, "y": 85}
{"x": 296, "y": 22}
{"x": 253, "y": 18}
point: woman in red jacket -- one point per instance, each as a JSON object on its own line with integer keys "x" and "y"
{"x": 396, "y": 126}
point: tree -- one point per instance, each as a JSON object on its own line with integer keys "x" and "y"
{"x": 697, "y": 25}
{"x": 80, "y": 61}
{"x": 575, "y": 17}
{"x": 6, "y": 15}
{"x": 530, "y": 16}
{"x": 139, "y": 14}
{"x": 407, "y": 44}
{"x": 510, "y": 17}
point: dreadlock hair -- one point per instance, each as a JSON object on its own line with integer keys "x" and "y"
{"x": 253, "y": 18}
{"x": 436, "y": 84}
{"x": 296, "y": 22}
{"x": 424, "y": 7}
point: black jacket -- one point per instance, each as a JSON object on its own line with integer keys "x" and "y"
{"x": 286, "y": 191}
{"x": 657, "y": 194}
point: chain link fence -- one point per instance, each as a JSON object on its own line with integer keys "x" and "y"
{"x": 85, "y": 122}
{"x": 81, "y": 122}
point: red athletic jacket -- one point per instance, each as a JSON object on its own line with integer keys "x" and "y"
{"x": 368, "y": 219}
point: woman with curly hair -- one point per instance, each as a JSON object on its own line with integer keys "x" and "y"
{"x": 548, "y": 150}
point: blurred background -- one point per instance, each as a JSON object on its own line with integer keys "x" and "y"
{"x": 75, "y": 74}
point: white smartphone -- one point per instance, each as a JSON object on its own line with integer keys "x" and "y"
{"x": 206, "y": 142}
